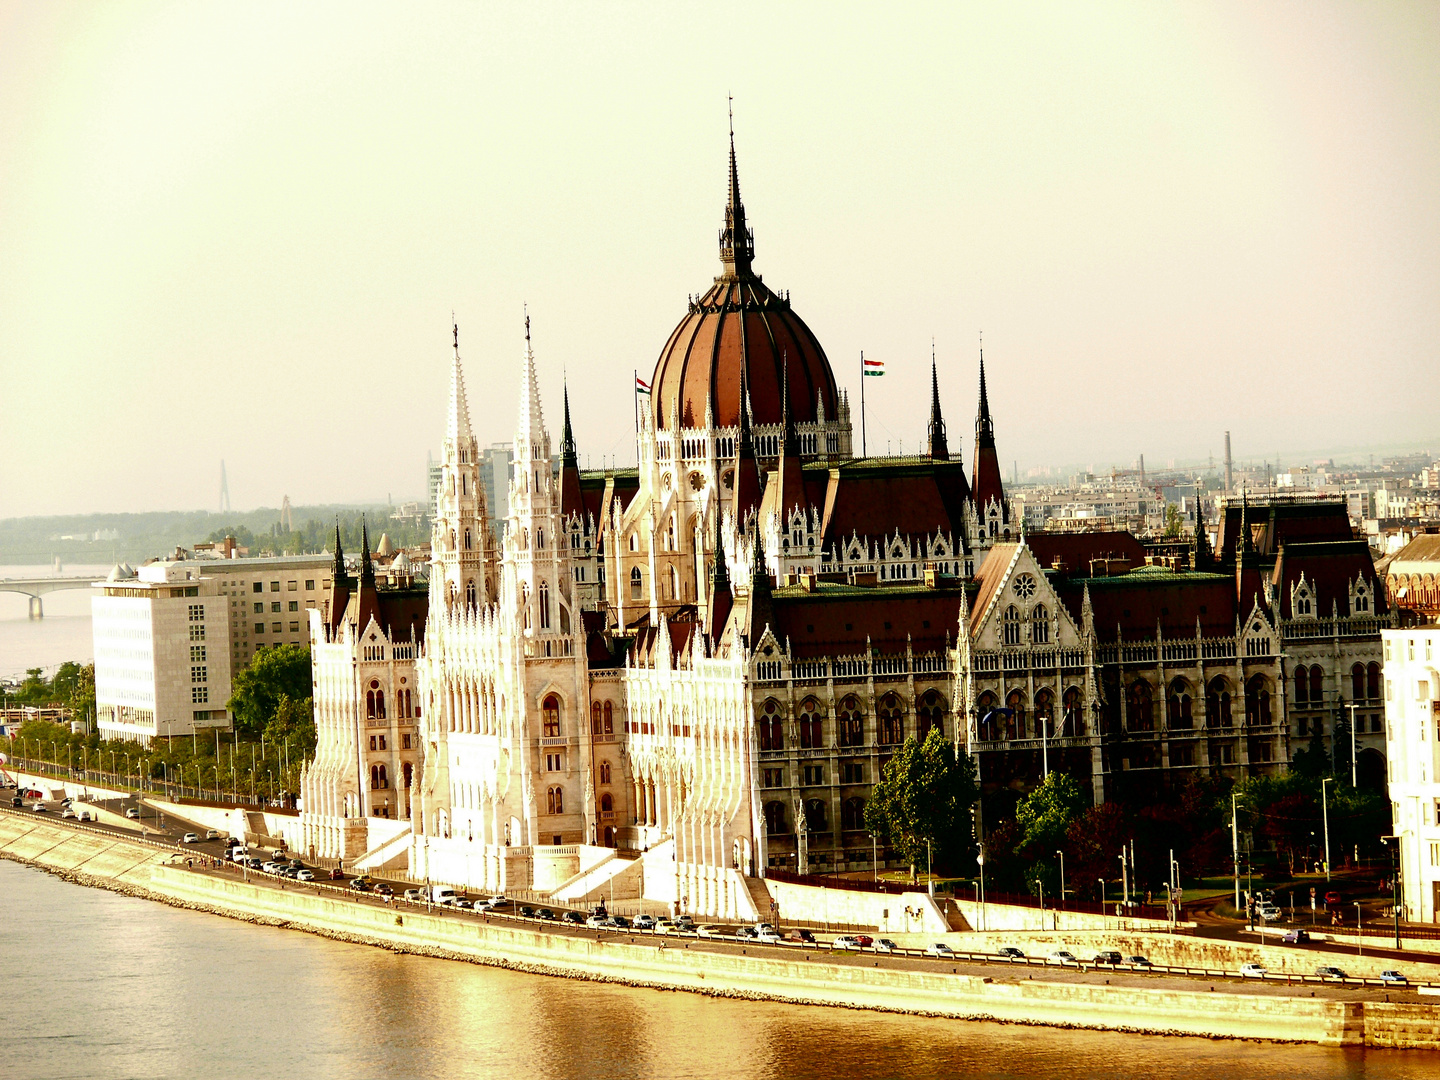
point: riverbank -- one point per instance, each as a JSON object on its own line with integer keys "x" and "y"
{"x": 810, "y": 977}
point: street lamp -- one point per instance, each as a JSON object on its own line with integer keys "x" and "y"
{"x": 1325, "y": 810}
{"x": 1235, "y": 845}
{"x": 1359, "y": 931}
{"x": 1062, "y": 877}
{"x": 981, "y": 860}
{"x": 1352, "y": 708}
{"x": 1102, "y": 902}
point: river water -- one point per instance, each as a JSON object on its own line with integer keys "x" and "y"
{"x": 64, "y": 632}
{"x": 100, "y": 985}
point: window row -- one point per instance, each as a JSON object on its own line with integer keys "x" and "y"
{"x": 816, "y": 816}
{"x": 890, "y": 726}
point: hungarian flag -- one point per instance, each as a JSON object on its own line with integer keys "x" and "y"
{"x": 874, "y": 367}
{"x": 641, "y": 386}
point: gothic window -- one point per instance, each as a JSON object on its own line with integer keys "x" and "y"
{"x": 1302, "y": 685}
{"x": 772, "y": 731}
{"x": 1025, "y": 586}
{"x": 674, "y": 584}
{"x": 544, "y": 605}
{"x": 850, "y": 723}
{"x": 1178, "y": 712}
{"x": 989, "y": 722}
{"x": 1045, "y": 712}
{"x": 555, "y": 800}
{"x": 1372, "y": 681}
{"x": 378, "y": 779}
{"x": 540, "y": 539}
{"x": 1317, "y": 686}
{"x": 380, "y": 704}
{"x": 810, "y": 725}
{"x": 595, "y": 718}
{"x": 1357, "y": 683}
{"x": 1362, "y": 602}
{"x": 464, "y": 487}
{"x": 1140, "y": 705}
{"x": 470, "y": 594}
{"x": 635, "y": 584}
{"x": 670, "y": 536}
{"x": 409, "y": 771}
{"x": 467, "y": 540}
{"x": 816, "y": 816}
{"x": 1257, "y": 701}
{"x": 930, "y": 714}
{"x": 370, "y": 704}
{"x": 1071, "y": 723}
{"x": 1015, "y": 722}
{"x": 775, "y": 818}
{"x": 1040, "y": 625}
{"x": 550, "y": 716}
{"x": 609, "y": 719}
{"x": 525, "y": 603}
{"x": 607, "y": 801}
{"x": 1217, "y": 703}
{"x": 605, "y": 779}
{"x": 892, "y": 720}
{"x": 852, "y": 814}
{"x": 1010, "y": 626}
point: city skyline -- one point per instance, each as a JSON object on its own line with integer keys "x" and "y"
{"x": 1199, "y": 221}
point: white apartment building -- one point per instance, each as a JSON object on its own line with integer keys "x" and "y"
{"x": 162, "y": 652}
{"x": 169, "y": 636}
{"x": 1412, "y": 722}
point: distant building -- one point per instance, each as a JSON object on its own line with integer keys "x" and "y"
{"x": 494, "y": 476}
{"x": 433, "y": 472}
{"x": 1412, "y": 723}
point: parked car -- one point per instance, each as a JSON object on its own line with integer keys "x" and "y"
{"x": 1330, "y": 971}
{"x": 941, "y": 950}
{"x": 1394, "y": 978}
{"x": 1062, "y": 957}
{"x": 644, "y": 922}
{"x": 1332, "y": 898}
{"x": 799, "y": 934}
{"x": 845, "y": 941}
{"x": 132, "y": 813}
{"x": 190, "y": 838}
{"x": 1137, "y": 961}
{"x": 885, "y": 945}
{"x": 1010, "y": 952}
{"x": 1252, "y": 971}
{"x": 1296, "y": 937}
{"x": 304, "y": 875}
{"x": 1108, "y": 957}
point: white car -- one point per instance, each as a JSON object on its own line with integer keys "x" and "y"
{"x": 596, "y": 922}
{"x": 885, "y": 945}
{"x": 644, "y": 922}
{"x": 845, "y": 941}
{"x": 767, "y": 936}
{"x": 1062, "y": 957}
{"x": 190, "y": 838}
{"x": 1270, "y": 913}
{"x": 708, "y": 931}
{"x": 133, "y": 814}
{"x": 940, "y": 949}
{"x": 305, "y": 875}
{"x": 67, "y": 813}
{"x": 1252, "y": 971}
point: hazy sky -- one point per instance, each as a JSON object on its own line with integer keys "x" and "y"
{"x": 238, "y": 230}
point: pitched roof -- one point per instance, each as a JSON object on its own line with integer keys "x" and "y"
{"x": 1075, "y": 550}
{"x": 1330, "y": 569}
{"x": 837, "y": 620}
{"x": 877, "y": 497}
{"x": 1142, "y": 599}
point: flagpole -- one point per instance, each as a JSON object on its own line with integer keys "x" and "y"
{"x": 635, "y": 395}
{"x": 862, "y": 403}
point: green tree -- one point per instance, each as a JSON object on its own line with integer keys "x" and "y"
{"x": 926, "y": 793}
{"x": 1045, "y": 815}
{"x": 1313, "y": 761}
{"x": 281, "y": 671}
{"x": 1174, "y": 526}
{"x": 295, "y": 721}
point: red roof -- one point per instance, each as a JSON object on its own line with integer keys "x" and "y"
{"x": 1075, "y": 550}
{"x": 838, "y": 620}
{"x": 878, "y": 497}
{"x": 1331, "y": 570}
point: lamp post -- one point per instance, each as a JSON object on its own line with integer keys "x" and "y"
{"x": 1235, "y": 845}
{"x": 981, "y": 860}
{"x": 1352, "y": 708}
{"x": 1325, "y": 811}
{"x": 1062, "y": 877}
{"x": 1102, "y": 902}
{"x": 1394, "y": 885}
{"x": 1359, "y": 931}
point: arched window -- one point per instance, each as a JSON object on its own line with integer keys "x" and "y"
{"x": 635, "y": 584}
{"x": 544, "y": 605}
{"x": 670, "y": 535}
{"x": 370, "y": 704}
{"x": 892, "y": 720}
{"x": 775, "y": 818}
{"x": 1217, "y": 704}
{"x": 384, "y": 779}
{"x": 1040, "y": 625}
{"x": 1071, "y": 725}
{"x": 772, "y": 731}
{"x": 930, "y": 714}
{"x": 1140, "y": 703}
{"x": 1372, "y": 681}
{"x": 605, "y": 779}
{"x": 409, "y": 771}
{"x": 467, "y": 540}
{"x": 555, "y": 800}
{"x": 1302, "y": 685}
{"x": 1045, "y": 712}
{"x": 850, "y": 723}
{"x": 810, "y": 725}
{"x": 1015, "y": 722}
{"x": 1257, "y": 701}
{"x": 674, "y": 584}
{"x": 817, "y": 817}
{"x": 540, "y": 539}
{"x": 852, "y": 814}
{"x": 595, "y": 728}
{"x": 1010, "y": 626}
{"x": 609, "y": 719}
{"x": 1357, "y": 683}
{"x": 380, "y": 704}
{"x": 525, "y": 602}
{"x": 989, "y": 724}
{"x": 470, "y": 596}
{"x": 550, "y": 715}
{"x": 1317, "y": 686}
{"x": 1178, "y": 713}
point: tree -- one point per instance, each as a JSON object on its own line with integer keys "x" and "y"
{"x": 293, "y": 720}
{"x": 1314, "y": 760}
{"x": 926, "y": 793}
{"x": 1174, "y": 527}
{"x": 1044, "y": 816}
{"x": 283, "y": 670}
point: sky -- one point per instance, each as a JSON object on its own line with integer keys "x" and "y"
{"x": 238, "y": 231}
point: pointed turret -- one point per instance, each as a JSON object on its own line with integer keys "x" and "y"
{"x": 760, "y": 612}
{"x": 721, "y": 599}
{"x": 737, "y": 242}
{"x": 337, "y": 569}
{"x": 367, "y": 568}
{"x": 530, "y": 428}
{"x": 987, "y": 486}
{"x": 457, "y": 424}
{"x": 792, "y": 483}
{"x": 939, "y": 449}
{"x": 569, "y": 468}
{"x": 747, "y": 490}
{"x": 340, "y": 583}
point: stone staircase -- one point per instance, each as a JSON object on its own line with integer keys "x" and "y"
{"x": 760, "y": 897}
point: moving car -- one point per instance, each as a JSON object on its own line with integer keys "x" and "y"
{"x": 1330, "y": 971}
{"x": 85, "y": 815}
{"x": 845, "y": 941}
{"x": 304, "y": 875}
{"x": 707, "y": 931}
{"x": 190, "y": 838}
{"x": 1062, "y": 957}
{"x": 1137, "y": 961}
{"x": 745, "y": 933}
{"x": 685, "y": 922}
{"x": 617, "y": 922}
{"x": 885, "y": 945}
{"x": 1010, "y": 952}
{"x": 358, "y": 885}
{"x": 383, "y": 889}
{"x": 644, "y": 922}
{"x": 1106, "y": 956}
{"x": 132, "y": 813}
{"x": 865, "y": 940}
{"x": 595, "y": 922}
{"x": 336, "y": 874}
{"x": 1269, "y": 912}
{"x": 463, "y": 904}
{"x": 1394, "y": 978}
{"x": 799, "y": 934}
{"x": 572, "y": 917}
{"x": 526, "y": 911}
{"x": 1332, "y": 898}
{"x": 1296, "y": 937}
{"x": 1251, "y": 971}
{"x": 941, "y": 950}
{"x": 211, "y": 834}
{"x": 38, "y": 808}
{"x": 67, "y": 813}
{"x": 545, "y": 913}
{"x": 768, "y": 937}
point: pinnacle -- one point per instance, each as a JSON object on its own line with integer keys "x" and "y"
{"x": 458, "y": 423}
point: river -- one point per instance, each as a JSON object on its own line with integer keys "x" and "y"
{"x": 63, "y": 634}
{"x": 100, "y": 985}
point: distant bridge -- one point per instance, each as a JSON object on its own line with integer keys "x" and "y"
{"x": 38, "y": 587}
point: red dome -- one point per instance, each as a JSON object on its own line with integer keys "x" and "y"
{"x": 741, "y": 324}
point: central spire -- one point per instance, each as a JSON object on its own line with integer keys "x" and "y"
{"x": 737, "y": 242}
{"x": 984, "y": 427}
{"x": 939, "y": 449}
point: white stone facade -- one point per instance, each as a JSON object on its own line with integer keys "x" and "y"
{"x": 1412, "y": 730}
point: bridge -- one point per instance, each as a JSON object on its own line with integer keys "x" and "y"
{"x": 38, "y": 587}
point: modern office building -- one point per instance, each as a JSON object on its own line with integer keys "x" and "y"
{"x": 1412, "y": 729}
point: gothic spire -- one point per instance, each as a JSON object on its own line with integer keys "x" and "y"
{"x": 337, "y": 572}
{"x": 530, "y": 430}
{"x": 457, "y": 425}
{"x": 984, "y": 427}
{"x": 939, "y": 450}
{"x": 737, "y": 242}
{"x": 367, "y": 568}
{"x": 720, "y": 576}
{"x": 567, "y": 438}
